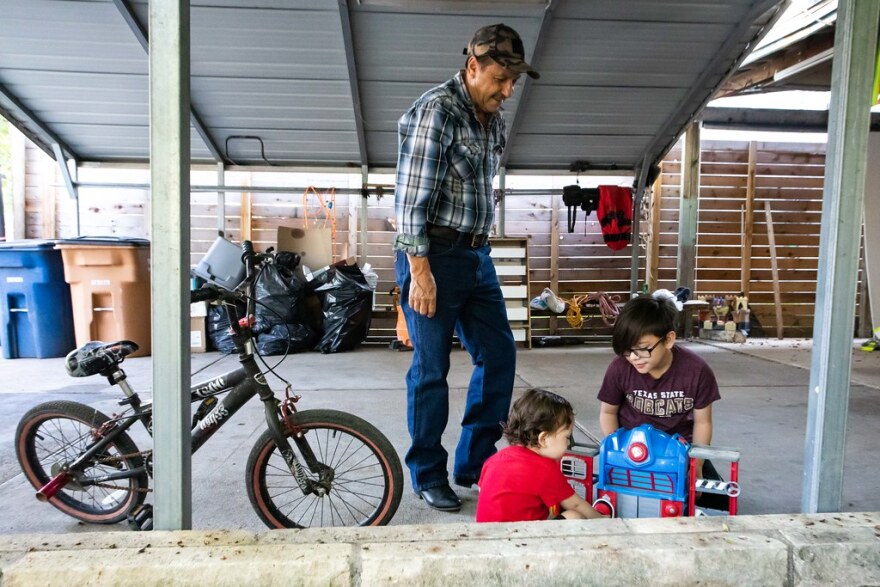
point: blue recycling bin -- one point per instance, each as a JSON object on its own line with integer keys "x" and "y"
{"x": 34, "y": 301}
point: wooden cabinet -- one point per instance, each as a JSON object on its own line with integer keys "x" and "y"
{"x": 511, "y": 259}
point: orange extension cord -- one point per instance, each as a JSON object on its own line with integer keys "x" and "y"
{"x": 608, "y": 308}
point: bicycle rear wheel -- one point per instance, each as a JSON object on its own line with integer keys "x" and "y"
{"x": 54, "y": 434}
{"x": 367, "y": 475}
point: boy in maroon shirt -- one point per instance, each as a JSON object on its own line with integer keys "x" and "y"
{"x": 651, "y": 381}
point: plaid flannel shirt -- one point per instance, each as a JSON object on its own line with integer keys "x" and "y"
{"x": 445, "y": 166}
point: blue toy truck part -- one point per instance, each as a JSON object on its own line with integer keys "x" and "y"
{"x": 644, "y": 462}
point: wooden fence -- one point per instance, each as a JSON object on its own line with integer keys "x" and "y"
{"x": 788, "y": 177}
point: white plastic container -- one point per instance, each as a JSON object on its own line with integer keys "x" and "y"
{"x": 222, "y": 264}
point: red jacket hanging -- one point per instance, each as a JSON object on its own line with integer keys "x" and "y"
{"x": 615, "y": 215}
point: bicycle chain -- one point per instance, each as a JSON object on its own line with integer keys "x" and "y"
{"x": 117, "y": 459}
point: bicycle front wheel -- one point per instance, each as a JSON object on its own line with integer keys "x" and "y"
{"x": 367, "y": 477}
{"x": 53, "y": 435}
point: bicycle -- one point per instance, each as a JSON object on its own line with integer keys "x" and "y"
{"x": 309, "y": 468}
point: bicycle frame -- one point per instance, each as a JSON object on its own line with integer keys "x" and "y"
{"x": 241, "y": 384}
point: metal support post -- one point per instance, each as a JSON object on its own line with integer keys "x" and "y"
{"x": 500, "y": 227}
{"x": 169, "y": 176}
{"x": 635, "y": 242}
{"x": 855, "y": 45}
{"x": 363, "y": 217}
{"x": 221, "y": 199}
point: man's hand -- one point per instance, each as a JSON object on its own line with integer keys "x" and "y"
{"x": 422, "y": 289}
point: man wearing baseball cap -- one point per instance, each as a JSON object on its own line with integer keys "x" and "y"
{"x": 450, "y": 144}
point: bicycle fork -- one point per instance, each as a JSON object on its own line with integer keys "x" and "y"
{"x": 319, "y": 487}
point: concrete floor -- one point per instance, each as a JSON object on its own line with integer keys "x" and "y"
{"x": 762, "y": 412}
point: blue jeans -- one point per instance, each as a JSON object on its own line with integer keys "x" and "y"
{"x": 470, "y": 303}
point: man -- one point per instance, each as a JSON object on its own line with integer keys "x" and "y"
{"x": 451, "y": 141}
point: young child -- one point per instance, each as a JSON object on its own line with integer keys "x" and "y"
{"x": 652, "y": 381}
{"x": 523, "y": 482}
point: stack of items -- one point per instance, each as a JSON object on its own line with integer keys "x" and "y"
{"x": 725, "y": 318}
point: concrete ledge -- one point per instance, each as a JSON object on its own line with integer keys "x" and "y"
{"x": 746, "y": 550}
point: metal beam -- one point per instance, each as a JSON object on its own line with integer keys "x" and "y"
{"x": 765, "y": 119}
{"x": 771, "y": 119}
{"x": 348, "y": 43}
{"x": 221, "y": 199}
{"x": 70, "y": 181}
{"x": 141, "y": 35}
{"x": 635, "y": 242}
{"x": 855, "y": 46}
{"x": 170, "y": 205}
{"x": 688, "y": 107}
{"x": 363, "y": 216}
{"x": 65, "y": 172}
{"x": 501, "y": 219}
{"x": 34, "y": 120}
{"x": 540, "y": 40}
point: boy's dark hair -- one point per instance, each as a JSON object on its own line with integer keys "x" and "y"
{"x": 640, "y": 316}
{"x": 538, "y": 410}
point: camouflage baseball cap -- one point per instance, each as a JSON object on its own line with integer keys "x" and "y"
{"x": 503, "y": 44}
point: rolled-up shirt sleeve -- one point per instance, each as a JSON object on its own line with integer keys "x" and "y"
{"x": 425, "y": 135}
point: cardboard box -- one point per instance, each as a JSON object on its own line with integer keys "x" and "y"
{"x": 313, "y": 245}
{"x": 198, "y": 337}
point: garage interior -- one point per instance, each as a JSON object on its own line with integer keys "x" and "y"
{"x": 281, "y": 89}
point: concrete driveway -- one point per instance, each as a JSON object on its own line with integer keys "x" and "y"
{"x": 762, "y": 412}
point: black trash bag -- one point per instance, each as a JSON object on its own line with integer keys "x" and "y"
{"x": 348, "y": 309}
{"x": 279, "y": 313}
{"x": 217, "y": 328}
{"x": 285, "y": 338}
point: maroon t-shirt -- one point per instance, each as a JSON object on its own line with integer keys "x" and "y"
{"x": 667, "y": 403}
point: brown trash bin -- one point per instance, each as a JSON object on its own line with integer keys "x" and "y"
{"x": 109, "y": 281}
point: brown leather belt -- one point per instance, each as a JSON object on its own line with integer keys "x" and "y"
{"x": 467, "y": 239}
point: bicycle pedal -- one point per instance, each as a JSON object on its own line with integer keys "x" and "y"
{"x": 141, "y": 518}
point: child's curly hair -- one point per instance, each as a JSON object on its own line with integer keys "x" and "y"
{"x": 538, "y": 410}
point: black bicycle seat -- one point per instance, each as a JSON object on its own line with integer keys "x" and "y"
{"x": 97, "y": 357}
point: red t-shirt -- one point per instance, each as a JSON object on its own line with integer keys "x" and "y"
{"x": 519, "y": 485}
{"x": 667, "y": 403}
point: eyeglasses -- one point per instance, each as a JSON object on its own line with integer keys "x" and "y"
{"x": 643, "y": 353}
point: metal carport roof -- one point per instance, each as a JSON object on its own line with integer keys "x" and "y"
{"x": 322, "y": 82}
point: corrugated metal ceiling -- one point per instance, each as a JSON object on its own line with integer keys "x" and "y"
{"x": 620, "y": 80}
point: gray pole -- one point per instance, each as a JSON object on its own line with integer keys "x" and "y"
{"x": 363, "y": 216}
{"x": 635, "y": 241}
{"x": 688, "y": 209}
{"x": 855, "y": 44}
{"x": 221, "y": 199}
{"x": 169, "y": 175}
{"x": 502, "y": 205}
